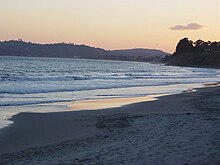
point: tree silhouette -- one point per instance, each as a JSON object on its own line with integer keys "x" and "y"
{"x": 198, "y": 53}
{"x": 185, "y": 45}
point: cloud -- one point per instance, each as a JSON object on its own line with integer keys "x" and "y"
{"x": 191, "y": 26}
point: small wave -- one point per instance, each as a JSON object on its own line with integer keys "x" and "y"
{"x": 22, "y": 103}
{"x": 107, "y": 95}
{"x": 48, "y": 78}
{"x": 114, "y": 76}
{"x": 33, "y": 90}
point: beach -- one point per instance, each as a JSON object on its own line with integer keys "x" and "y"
{"x": 173, "y": 129}
{"x": 109, "y": 82}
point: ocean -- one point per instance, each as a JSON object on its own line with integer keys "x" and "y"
{"x": 30, "y": 84}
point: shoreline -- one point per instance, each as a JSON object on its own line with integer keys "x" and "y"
{"x": 154, "y": 93}
{"x": 34, "y": 133}
{"x": 102, "y": 104}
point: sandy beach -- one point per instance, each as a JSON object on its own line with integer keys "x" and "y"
{"x": 174, "y": 129}
{"x": 112, "y": 82}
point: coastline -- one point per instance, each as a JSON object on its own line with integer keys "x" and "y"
{"x": 193, "y": 116}
{"x": 130, "y": 95}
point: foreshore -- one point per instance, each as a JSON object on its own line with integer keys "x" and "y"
{"x": 174, "y": 129}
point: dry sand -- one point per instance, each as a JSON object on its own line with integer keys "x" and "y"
{"x": 176, "y": 129}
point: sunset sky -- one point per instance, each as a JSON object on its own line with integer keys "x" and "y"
{"x": 111, "y": 24}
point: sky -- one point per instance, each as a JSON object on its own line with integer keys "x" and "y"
{"x": 111, "y": 24}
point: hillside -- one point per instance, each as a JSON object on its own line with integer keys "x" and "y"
{"x": 20, "y": 48}
{"x": 138, "y": 54}
{"x": 198, "y": 54}
{"x": 64, "y": 50}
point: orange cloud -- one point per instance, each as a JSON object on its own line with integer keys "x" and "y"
{"x": 191, "y": 26}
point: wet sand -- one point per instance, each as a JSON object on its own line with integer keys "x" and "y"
{"x": 174, "y": 129}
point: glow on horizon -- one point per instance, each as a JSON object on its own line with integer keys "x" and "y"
{"x": 110, "y": 24}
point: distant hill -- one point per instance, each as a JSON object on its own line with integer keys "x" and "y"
{"x": 65, "y": 50}
{"x": 138, "y": 54}
{"x": 198, "y": 54}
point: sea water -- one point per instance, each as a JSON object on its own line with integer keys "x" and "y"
{"x": 31, "y": 84}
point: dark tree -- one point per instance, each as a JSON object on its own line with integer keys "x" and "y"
{"x": 199, "y": 53}
{"x": 184, "y": 46}
{"x": 198, "y": 45}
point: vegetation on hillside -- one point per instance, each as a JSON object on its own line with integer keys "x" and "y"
{"x": 69, "y": 50}
{"x": 198, "y": 53}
